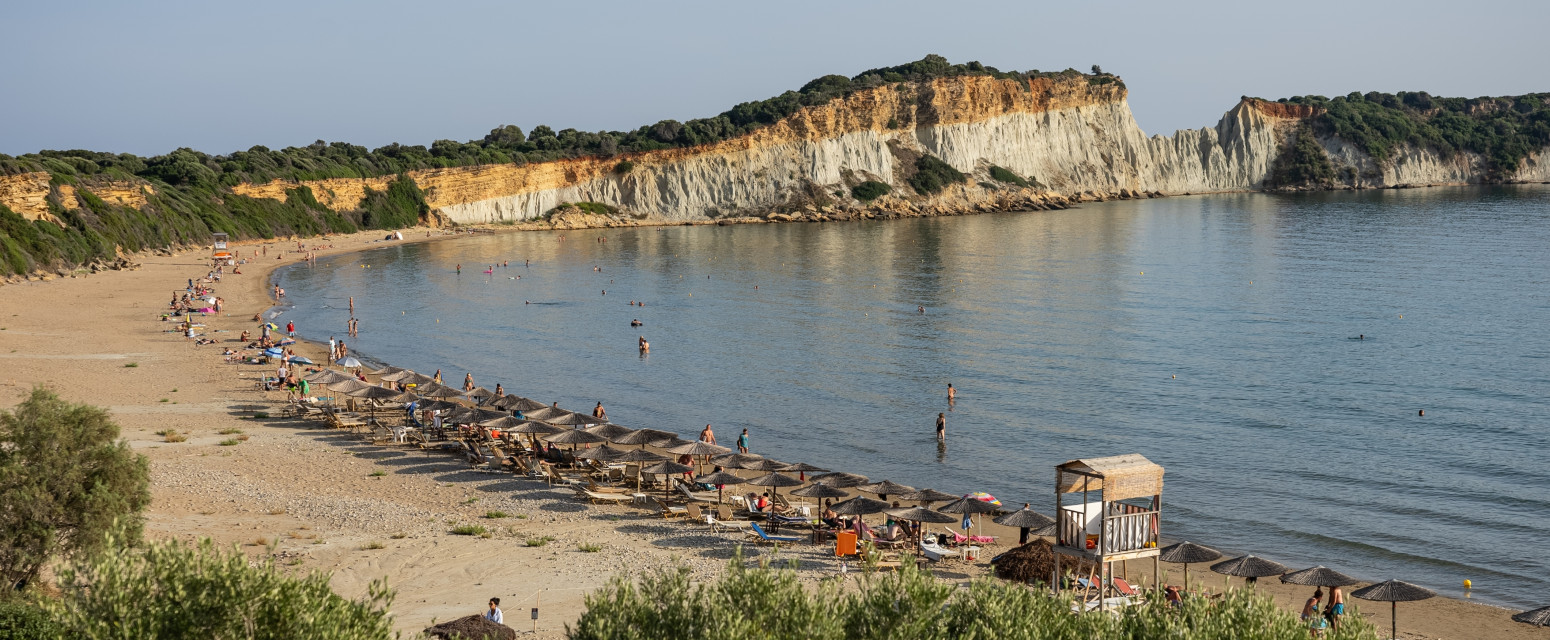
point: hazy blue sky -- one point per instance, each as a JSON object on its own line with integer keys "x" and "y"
{"x": 218, "y": 76}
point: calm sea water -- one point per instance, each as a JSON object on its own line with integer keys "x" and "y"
{"x": 1215, "y": 335}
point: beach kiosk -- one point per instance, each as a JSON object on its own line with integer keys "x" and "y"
{"x": 220, "y": 253}
{"x": 1106, "y": 510}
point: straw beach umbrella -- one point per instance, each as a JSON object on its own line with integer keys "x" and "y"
{"x": 927, "y": 496}
{"x": 411, "y": 378}
{"x": 609, "y": 430}
{"x": 801, "y": 469}
{"x": 642, "y": 437}
{"x": 640, "y": 457}
{"x": 479, "y": 394}
{"x": 859, "y": 506}
{"x": 1250, "y": 567}
{"x": 1393, "y": 592}
{"x": 603, "y": 453}
{"x": 839, "y": 479}
{"x": 968, "y": 506}
{"x": 666, "y": 468}
{"x": 329, "y": 376}
{"x": 736, "y": 460}
{"x": 698, "y": 448}
{"x": 433, "y": 390}
{"x": 820, "y": 492}
{"x": 774, "y": 481}
{"x": 1319, "y": 576}
{"x": 920, "y": 515}
{"x": 720, "y": 479}
{"x": 1539, "y": 617}
{"x": 574, "y": 437}
{"x": 1024, "y": 519}
{"x": 544, "y": 413}
{"x": 765, "y": 465}
{"x": 886, "y": 487}
{"x": 1187, "y": 553}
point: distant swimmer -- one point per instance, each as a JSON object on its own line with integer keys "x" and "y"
{"x": 636, "y": 322}
{"x": 605, "y": 292}
{"x": 645, "y": 347}
{"x": 921, "y": 308}
{"x": 1422, "y": 413}
{"x": 460, "y": 269}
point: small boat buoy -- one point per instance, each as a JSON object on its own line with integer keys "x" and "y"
{"x": 1468, "y": 584}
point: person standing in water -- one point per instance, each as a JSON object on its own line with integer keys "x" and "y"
{"x": 707, "y": 436}
{"x": 952, "y": 394}
{"x": 742, "y": 441}
{"x": 599, "y": 413}
{"x": 460, "y": 269}
{"x": 941, "y": 427}
{"x": 468, "y": 382}
{"x": 352, "y": 305}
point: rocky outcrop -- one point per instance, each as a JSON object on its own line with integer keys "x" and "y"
{"x": 26, "y": 194}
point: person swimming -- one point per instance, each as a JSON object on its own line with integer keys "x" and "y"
{"x": 636, "y": 322}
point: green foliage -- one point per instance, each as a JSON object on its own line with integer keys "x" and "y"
{"x": 1002, "y": 175}
{"x": 624, "y": 166}
{"x": 870, "y": 190}
{"x": 1303, "y": 163}
{"x": 401, "y": 205}
{"x": 761, "y": 602}
{"x": 469, "y": 530}
{"x": 932, "y": 175}
{"x": 21, "y": 619}
{"x": 65, "y": 478}
{"x": 175, "y": 590}
{"x": 589, "y": 547}
{"x": 1502, "y": 130}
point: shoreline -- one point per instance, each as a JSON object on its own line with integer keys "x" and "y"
{"x": 297, "y": 470}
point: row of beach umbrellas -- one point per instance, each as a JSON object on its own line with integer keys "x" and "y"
{"x": 550, "y": 423}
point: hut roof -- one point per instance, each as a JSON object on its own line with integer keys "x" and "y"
{"x": 1119, "y": 477}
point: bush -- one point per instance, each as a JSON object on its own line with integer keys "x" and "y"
{"x": 494, "y": 515}
{"x": 402, "y": 204}
{"x": 870, "y": 190}
{"x": 933, "y": 175}
{"x": 1303, "y": 163}
{"x": 589, "y": 547}
{"x": 65, "y": 478}
{"x": 469, "y": 530}
{"x": 22, "y": 620}
{"x": 174, "y": 590}
{"x": 624, "y": 166}
{"x": 762, "y": 602}
{"x": 1002, "y": 175}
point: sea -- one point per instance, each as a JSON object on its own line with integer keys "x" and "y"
{"x": 1273, "y": 352}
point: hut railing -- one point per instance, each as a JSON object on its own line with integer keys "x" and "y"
{"x": 1129, "y": 532}
{"x": 1072, "y": 529}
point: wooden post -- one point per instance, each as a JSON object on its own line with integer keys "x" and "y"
{"x": 538, "y": 599}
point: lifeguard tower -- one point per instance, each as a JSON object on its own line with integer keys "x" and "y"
{"x": 1107, "y": 510}
{"x": 219, "y": 253}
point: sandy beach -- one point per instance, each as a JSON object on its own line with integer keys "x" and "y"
{"x": 332, "y": 501}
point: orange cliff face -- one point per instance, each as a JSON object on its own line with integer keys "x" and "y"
{"x": 1283, "y": 110}
{"x": 900, "y": 106}
{"x": 27, "y": 193}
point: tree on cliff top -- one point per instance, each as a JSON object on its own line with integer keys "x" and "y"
{"x": 65, "y": 479}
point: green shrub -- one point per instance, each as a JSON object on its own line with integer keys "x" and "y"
{"x": 230, "y": 443}
{"x": 933, "y": 175}
{"x": 402, "y": 204}
{"x": 762, "y": 602}
{"x": 494, "y": 515}
{"x": 1302, "y": 163}
{"x": 870, "y": 190}
{"x": 589, "y": 547}
{"x": 624, "y": 166}
{"x": 539, "y": 542}
{"x": 1002, "y": 175}
{"x": 175, "y": 590}
{"x": 65, "y": 478}
{"x": 377, "y": 474}
{"x": 24, "y": 620}
{"x": 469, "y": 530}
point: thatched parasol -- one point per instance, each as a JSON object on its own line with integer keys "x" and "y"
{"x": 503, "y": 423}
{"x": 1319, "y": 576}
{"x": 801, "y": 467}
{"x": 511, "y": 402}
{"x": 886, "y": 487}
{"x": 667, "y": 468}
{"x": 1187, "y": 553}
{"x": 1025, "y": 519}
{"x": 670, "y": 443}
{"x": 410, "y": 377}
{"x": 927, "y": 496}
{"x": 347, "y": 386}
{"x": 609, "y": 430}
{"x": 719, "y": 479}
{"x": 572, "y": 418}
{"x": 643, "y": 437}
{"x": 859, "y": 506}
{"x": 329, "y": 376}
{"x": 479, "y": 393}
{"x": 736, "y": 460}
{"x": 698, "y": 448}
{"x": 1539, "y": 617}
{"x": 535, "y": 428}
{"x": 639, "y": 457}
{"x": 439, "y": 405}
{"x": 433, "y": 390}
{"x": 573, "y": 437}
{"x": 471, "y": 415}
{"x": 968, "y": 506}
{"x": 600, "y": 454}
{"x": 765, "y": 464}
{"x": 820, "y": 492}
{"x": 373, "y": 392}
{"x": 544, "y": 413}
{"x": 1250, "y": 567}
{"x": 474, "y": 626}
{"x": 384, "y": 372}
{"x": 920, "y": 514}
{"x": 1393, "y": 592}
{"x": 839, "y": 479}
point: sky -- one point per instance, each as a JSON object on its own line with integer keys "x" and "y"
{"x": 147, "y": 78}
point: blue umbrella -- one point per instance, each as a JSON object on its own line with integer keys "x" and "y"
{"x": 272, "y": 351}
{"x": 300, "y": 360}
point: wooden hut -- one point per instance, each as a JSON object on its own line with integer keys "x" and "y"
{"x": 1107, "y": 510}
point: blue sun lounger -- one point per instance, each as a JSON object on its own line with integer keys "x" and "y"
{"x": 759, "y": 531}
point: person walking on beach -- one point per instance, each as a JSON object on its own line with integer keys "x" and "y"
{"x": 707, "y": 436}
{"x": 468, "y": 382}
{"x": 742, "y": 441}
{"x": 494, "y": 614}
{"x": 600, "y": 413}
{"x": 1310, "y": 613}
{"x": 941, "y": 427}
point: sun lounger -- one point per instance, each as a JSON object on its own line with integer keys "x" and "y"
{"x": 595, "y": 498}
{"x": 1124, "y": 587}
{"x": 761, "y": 536}
{"x": 934, "y": 552}
{"x": 670, "y": 511}
{"x": 593, "y": 487}
{"x": 959, "y": 538}
{"x": 693, "y": 496}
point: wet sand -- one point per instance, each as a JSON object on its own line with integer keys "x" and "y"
{"x": 315, "y": 493}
